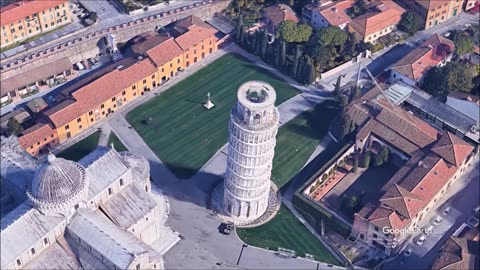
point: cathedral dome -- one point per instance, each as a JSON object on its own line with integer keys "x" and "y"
{"x": 57, "y": 185}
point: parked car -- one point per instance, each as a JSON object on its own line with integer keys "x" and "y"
{"x": 421, "y": 240}
{"x": 437, "y": 220}
{"x": 407, "y": 252}
{"x": 447, "y": 210}
{"x": 467, "y": 25}
{"x": 427, "y": 230}
{"x": 447, "y": 34}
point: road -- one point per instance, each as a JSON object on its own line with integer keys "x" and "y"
{"x": 462, "y": 197}
{"x": 109, "y": 15}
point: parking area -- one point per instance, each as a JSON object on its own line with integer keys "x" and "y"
{"x": 107, "y": 11}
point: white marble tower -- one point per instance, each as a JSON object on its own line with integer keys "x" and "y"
{"x": 253, "y": 127}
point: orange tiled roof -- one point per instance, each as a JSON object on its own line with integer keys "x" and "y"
{"x": 403, "y": 201}
{"x": 164, "y": 52}
{"x": 387, "y": 218}
{"x": 416, "y": 63}
{"x": 22, "y": 9}
{"x": 279, "y": 13}
{"x": 389, "y": 14}
{"x": 35, "y": 134}
{"x": 452, "y": 149}
{"x": 335, "y": 13}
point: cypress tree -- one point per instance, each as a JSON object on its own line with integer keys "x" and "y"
{"x": 301, "y": 69}
{"x": 310, "y": 73}
{"x": 239, "y": 30}
{"x": 296, "y": 62}
{"x": 281, "y": 55}
{"x": 264, "y": 44}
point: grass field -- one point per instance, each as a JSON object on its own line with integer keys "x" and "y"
{"x": 182, "y": 133}
{"x": 81, "y": 148}
{"x": 116, "y": 142}
{"x": 298, "y": 138}
{"x": 285, "y": 231}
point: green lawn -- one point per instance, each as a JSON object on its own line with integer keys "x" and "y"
{"x": 116, "y": 142}
{"x": 185, "y": 135}
{"x": 81, "y": 148}
{"x": 297, "y": 139}
{"x": 285, "y": 231}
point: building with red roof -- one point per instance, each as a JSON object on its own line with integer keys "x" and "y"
{"x": 411, "y": 69}
{"x": 150, "y": 59}
{"x": 27, "y": 18}
{"x": 432, "y": 162}
{"x": 433, "y": 12}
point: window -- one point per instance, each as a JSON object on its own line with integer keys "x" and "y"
{"x": 153, "y": 76}
{"x": 375, "y": 235}
{"x": 134, "y": 87}
{"x": 146, "y": 188}
{"x": 52, "y": 23}
{"x": 102, "y": 106}
{"x": 45, "y": 139}
{"x": 385, "y": 241}
{"x": 20, "y": 263}
{"x": 67, "y": 127}
{"x": 121, "y": 182}
{"x": 38, "y": 143}
{"x": 69, "y": 135}
{"x": 138, "y": 266}
{"x": 80, "y": 127}
{"x": 194, "y": 51}
{"x": 90, "y": 113}
{"x": 91, "y": 119}
{"x": 109, "y": 191}
{"x": 123, "y": 93}
{"x": 171, "y": 65}
{"x": 178, "y": 62}
{"x": 76, "y": 206}
{"x": 79, "y": 120}
{"x": 45, "y": 241}
{"x": 113, "y": 98}
{"x": 31, "y": 147}
{"x": 134, "y": 94}
{"x": 377, "y": 229}
{"x": 144, "y": 81}
{"x": 20, "y": 27}
{"x": 33, "y": 251}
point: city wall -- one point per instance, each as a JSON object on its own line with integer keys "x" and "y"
{"x": 86, "y": 47}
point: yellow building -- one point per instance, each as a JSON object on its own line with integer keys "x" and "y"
{"x": 25, "y": 19}
{"x": 434, "y": 12}
{"x": 150, "y": 60}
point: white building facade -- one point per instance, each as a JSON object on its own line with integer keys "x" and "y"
{"x": 253, "y": 127}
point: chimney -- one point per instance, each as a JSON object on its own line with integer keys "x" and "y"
{"x": 334, "y": 9}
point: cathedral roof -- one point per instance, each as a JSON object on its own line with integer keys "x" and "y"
{"x": 57, "y": 180}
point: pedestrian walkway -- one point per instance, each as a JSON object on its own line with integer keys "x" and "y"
{"x": 106, "y": 130}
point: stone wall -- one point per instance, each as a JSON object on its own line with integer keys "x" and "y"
{"x": 87, "y": 46}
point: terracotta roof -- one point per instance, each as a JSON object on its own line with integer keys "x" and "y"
{"x": 110, "y": 84}
{"x": 36, "y": 133}
{"x": 402, "y": 201}
{"x": 164, "y": 52}
{"x": 335, "y": 13}
{"x": 387, "y": 14}
{"x": 387, "y": 218}
{"x": 452, "y": 149}
{"x": 406, "y": 124}
{"x": 37, "y": 74}
{"x": 22, "y": 9}
{"x": 139, "y": 45}
{"x": 193, "y": 31}
{"x": 279, "y": 13}
{"x": 416, "y": 63}
{"x": 459, "y": 254}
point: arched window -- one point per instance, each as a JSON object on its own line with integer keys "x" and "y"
{"x": 19, "y": 263}
{"x": 33, "y": 251}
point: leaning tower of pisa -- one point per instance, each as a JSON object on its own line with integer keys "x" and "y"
{"x": 253, "y": 126}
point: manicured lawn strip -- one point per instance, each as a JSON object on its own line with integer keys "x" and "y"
{"x": 297, "y": 140}
{"x": 185, "y": 135}
{"x": 116, "y": 142}
{"x": 81, "y": 148}
{"x": 285, "y": 231}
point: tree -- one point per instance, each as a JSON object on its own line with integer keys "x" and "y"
{"x": 93, "y": 16}
{"x": 459, "y": 77}
{"x": 357, "y": 92}
{"x": 377, "y": 160}
{"x": 282, "y": 55}
{"x": 463, "y": 44}
{"x": 365, "y": 160}
{"x": 310, "y": 73}
{"x": 322, "y": 57}
{"x": 296, "y": 61}
{"x": 345, "y": 127}
{"x": 331, "y": 35}
{"x": 336, "y": 90}
{"x": 355, "y": 165}
{"x": 240, "y": 29}
{"x": 264, "y": 45}
{"x": 410, "y": 23}
{"x": 293, "y": 32}
{"x": 435, "y": 83}
{"x": 14, "y": 127}
{"x": 384, "y": 154}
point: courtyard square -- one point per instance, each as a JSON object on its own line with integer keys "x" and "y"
{"x": 184, "y": 134}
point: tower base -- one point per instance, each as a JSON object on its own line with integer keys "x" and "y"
{"x": 208, "y": 105}
{"x": 216, "y": 204}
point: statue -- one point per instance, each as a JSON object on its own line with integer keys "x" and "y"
{"x": 209, "y": 104}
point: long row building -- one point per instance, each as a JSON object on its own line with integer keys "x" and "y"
{"x": 149, "y": 60}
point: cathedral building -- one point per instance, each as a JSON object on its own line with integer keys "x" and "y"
{"x": 98, "y": 213}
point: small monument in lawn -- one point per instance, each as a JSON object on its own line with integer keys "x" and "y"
{"x": 209, "y": 104}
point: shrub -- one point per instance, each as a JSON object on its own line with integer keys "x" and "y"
{"x": 377, "y": 160}
{"x": 365, "y": 160}
{"x": 324, "y": 177}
